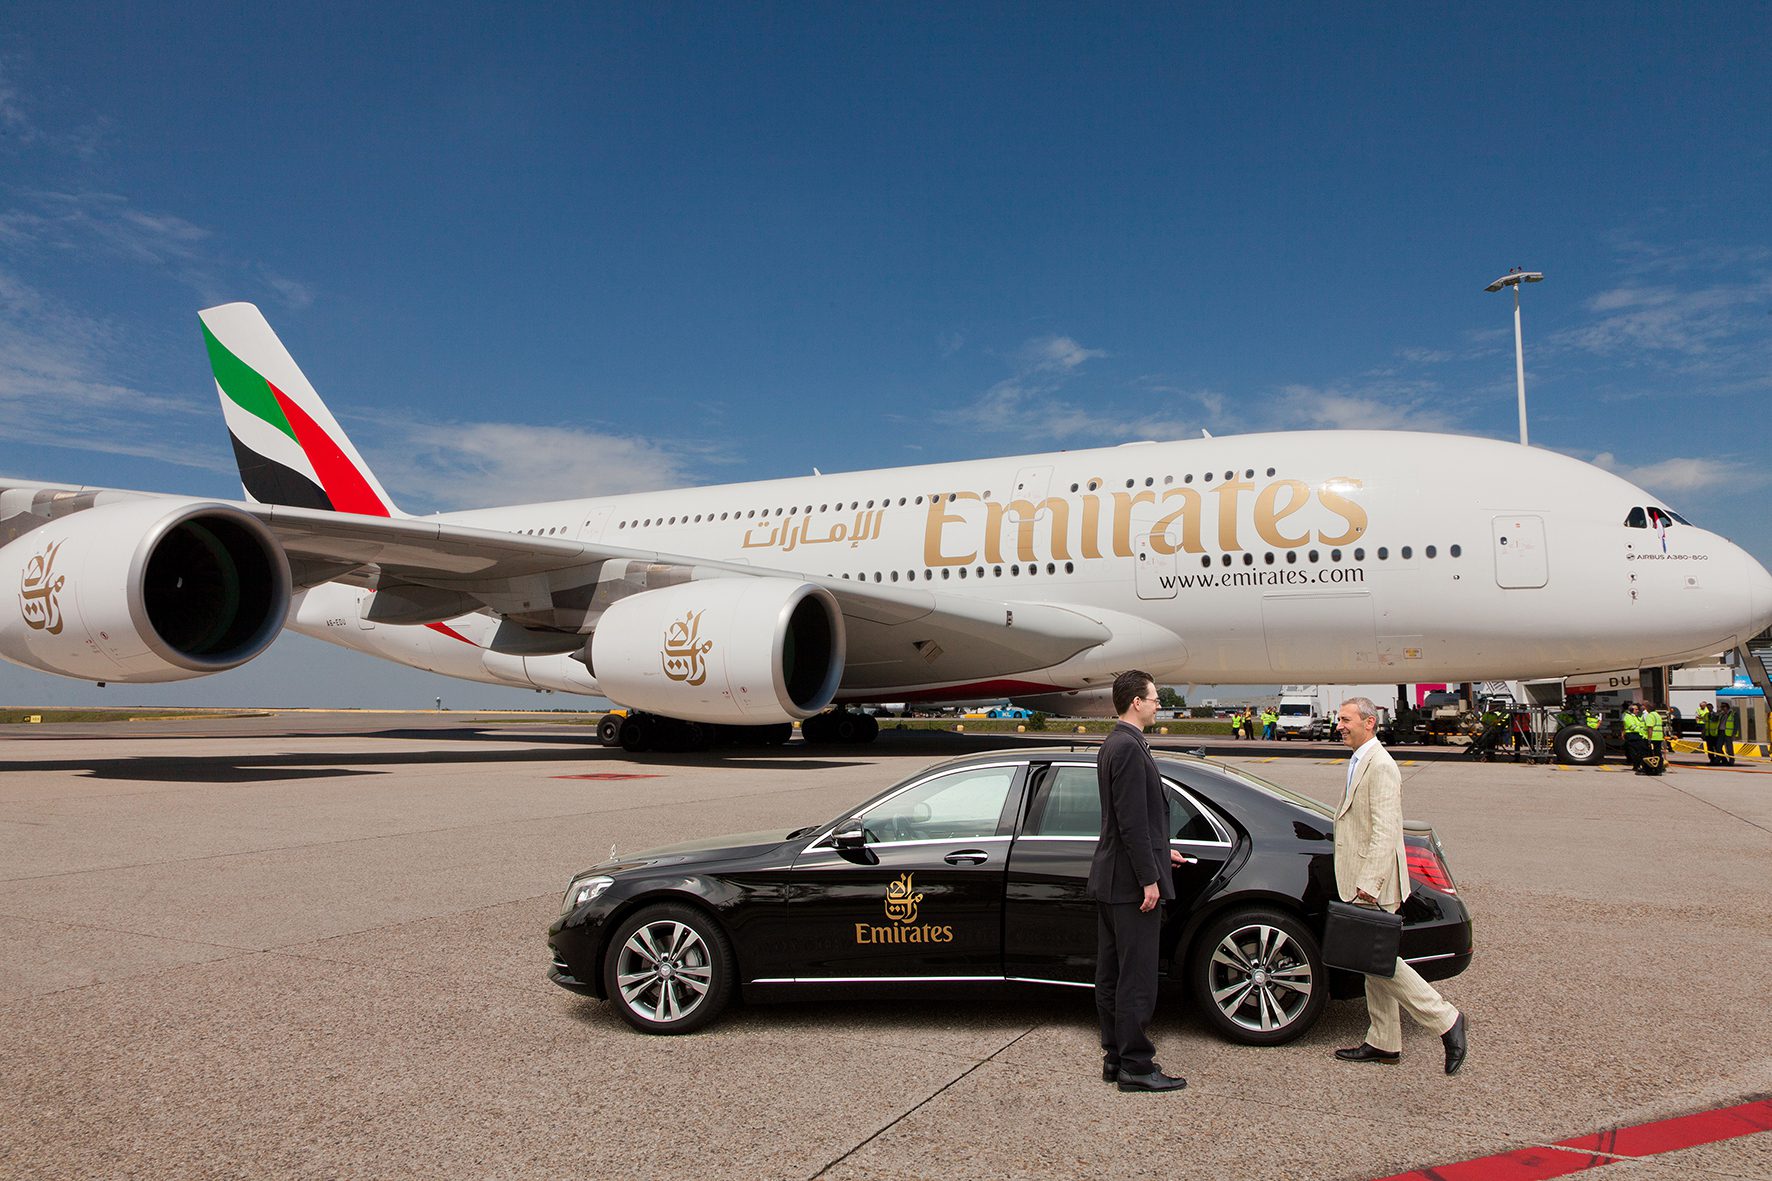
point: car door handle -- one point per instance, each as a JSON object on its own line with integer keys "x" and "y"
{"x": 1186, "y": 860}
{"x": 967, "y": 857}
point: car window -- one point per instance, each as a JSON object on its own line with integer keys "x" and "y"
{"x": 1186, "y": 821}
{"x": 963, "y": 805}
{"x": 1073, "y": 804}
{"x": 1260, "y": 784}
{"x": 1072, "y": 808}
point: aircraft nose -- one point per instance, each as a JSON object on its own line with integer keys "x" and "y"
{"x": 1759, "y": 596}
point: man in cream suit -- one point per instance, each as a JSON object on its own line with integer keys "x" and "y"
{"x": 1371, "y": 869}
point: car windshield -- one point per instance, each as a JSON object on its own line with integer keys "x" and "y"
{"x": 1274, "y": 789}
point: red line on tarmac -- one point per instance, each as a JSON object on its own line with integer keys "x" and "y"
{"x": 1605, "y": 1148}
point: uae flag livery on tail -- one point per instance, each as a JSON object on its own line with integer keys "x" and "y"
{"x": 290, "y": 449}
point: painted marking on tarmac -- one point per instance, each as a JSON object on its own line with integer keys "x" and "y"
{"x": 607, "y": 775}
{"x": 1580, "y": 1153}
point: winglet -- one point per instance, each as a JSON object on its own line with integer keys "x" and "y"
{"x": 290, "y": 449}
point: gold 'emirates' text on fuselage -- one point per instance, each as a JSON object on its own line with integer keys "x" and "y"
{"x": 962, "y": 528}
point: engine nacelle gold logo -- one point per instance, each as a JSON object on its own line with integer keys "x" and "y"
{"x": 685, "y": 652}
{"x": 902, "y": 899}
{"x": 39, "y": 592}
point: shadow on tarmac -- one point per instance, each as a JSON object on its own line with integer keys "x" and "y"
{"x": 273, "y": 767}
{"x": 556, "y": 744}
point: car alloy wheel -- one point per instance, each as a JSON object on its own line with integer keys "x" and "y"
{"x": 668, "y": 969}
{"x": 1258, "y": 976}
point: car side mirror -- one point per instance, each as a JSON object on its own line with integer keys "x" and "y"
{"x": 851, "y": 834}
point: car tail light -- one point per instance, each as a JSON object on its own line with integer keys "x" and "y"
{"x": 1428, "y": 867}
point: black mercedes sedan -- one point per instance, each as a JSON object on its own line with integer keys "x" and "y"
{"x": 970, "y": 875}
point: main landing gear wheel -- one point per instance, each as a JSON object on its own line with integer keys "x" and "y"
{"x": 840, "y": 727}
{"x": 640, "y": 731}
{"x": 669, "y": 969}
{"x": 1579, "y": 745}
{"x": 609, "y": 729}
{"x": 1258, "y": 976}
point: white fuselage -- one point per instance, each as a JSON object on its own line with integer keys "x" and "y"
{"x": 1323, "y": 556}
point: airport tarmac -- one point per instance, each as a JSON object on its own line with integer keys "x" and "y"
{"x": 313, "y": 945}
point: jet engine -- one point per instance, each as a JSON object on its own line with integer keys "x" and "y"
{"x": 749, "y": 651}
{"x": 142, "y": 590}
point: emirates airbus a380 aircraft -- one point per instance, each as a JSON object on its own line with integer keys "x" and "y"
{"x": 1322, "y": 556}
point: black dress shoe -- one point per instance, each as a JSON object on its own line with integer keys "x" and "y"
{"x": 1456, "y": 1045}
{"x": 1156, "y": 1080}
{"x": 1365, "y": 1053}
{"x": 1110, "y": 1071}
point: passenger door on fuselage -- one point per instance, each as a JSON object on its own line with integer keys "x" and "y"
{"x": 923, "y": 897}
{"x": 1049, "y": 920}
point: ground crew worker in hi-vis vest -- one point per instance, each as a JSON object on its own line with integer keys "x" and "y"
{"x": 1707, "y": 722}
{"x": 1652, "y": 720}
{"x": 1728, "y": 730}
{"x": 1636, "y": 735}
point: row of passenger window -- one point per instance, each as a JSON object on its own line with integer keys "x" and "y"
{"x": 1405, "y": 553}
{"x": 885, "y": 502}
{"x": 1013, "y": 571}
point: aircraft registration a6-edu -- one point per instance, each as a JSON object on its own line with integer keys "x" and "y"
{"x": 738, "y": 609}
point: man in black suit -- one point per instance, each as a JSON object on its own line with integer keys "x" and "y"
{"x": 1129, "y": 878}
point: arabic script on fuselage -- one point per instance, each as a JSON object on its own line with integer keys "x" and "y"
{"x": 791, "y": 533}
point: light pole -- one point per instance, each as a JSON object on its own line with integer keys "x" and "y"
{"x": 1513, "y": 279}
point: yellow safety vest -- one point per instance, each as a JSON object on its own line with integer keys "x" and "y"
{"x": 1654, "y": 726}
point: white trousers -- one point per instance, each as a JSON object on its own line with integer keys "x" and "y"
{"x": 1404, "y": 991}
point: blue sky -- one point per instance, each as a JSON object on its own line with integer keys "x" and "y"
{"x": 532, "y": 253}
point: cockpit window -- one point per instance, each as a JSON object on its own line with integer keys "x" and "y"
{"x": 1653, "y": 518}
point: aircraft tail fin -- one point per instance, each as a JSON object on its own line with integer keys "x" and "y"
{"x": 290, "y": 449}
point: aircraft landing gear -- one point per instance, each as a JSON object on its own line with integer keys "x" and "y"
{"x": 839, "y": 727}
{"x": 640, "y": 732}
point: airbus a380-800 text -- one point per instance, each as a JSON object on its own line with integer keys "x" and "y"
{"x": 742, "y": 608}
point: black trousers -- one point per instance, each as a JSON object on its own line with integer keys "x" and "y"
{"x": 1635, "y": 748}
{"x": 1126, "y": 982}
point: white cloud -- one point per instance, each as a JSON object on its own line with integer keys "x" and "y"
{"x": 15, "y": 122}
{"x": 59, "y": 387}
{"x": 1030, "y": 403}
{"x": 107, "y": 226}
{"x": 1367, "y": 406}
{"x": 20, "y": 128}
{"x": 1686, "y": 474}
{"x": 479, "y": 464}
{"x": 1667, "y": 320}
{"x": 1060, "y": 353}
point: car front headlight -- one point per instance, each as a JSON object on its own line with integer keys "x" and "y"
{"x": 582, "y": 890}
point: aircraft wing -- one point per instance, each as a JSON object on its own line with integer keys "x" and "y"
{"x": 896, "y": 635}
{"x": 426, "y": 570}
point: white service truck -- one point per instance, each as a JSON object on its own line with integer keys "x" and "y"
{"x": 1301, "y": 704}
